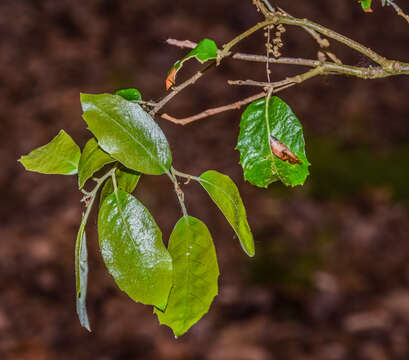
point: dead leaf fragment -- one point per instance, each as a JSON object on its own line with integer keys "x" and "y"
{"x": 283, "y": 152}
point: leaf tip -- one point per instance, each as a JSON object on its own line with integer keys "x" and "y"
{"x": 251, "y": 253}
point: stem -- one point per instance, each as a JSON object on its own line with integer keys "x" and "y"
{"x": 222, "y": 54}
{"x": 227, "y": 47}
{"x": 289, "y": 20}
{"x": 371, "y": 72}
{"x": 179, "y": 193}
{"x": 386, "y": 67}
{"x": 90, "y": 196}
{"x": 398, "y": 10}
{"x": 213, "y": 111}
{"x": 114, "y": 182}
{"x": 186, "y": 176}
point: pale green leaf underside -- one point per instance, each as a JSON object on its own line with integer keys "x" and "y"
{"x": 260, "y": 166}
{"x": 195, "y": 274}
{"x": 126, "y": 132}
{"x": 226, "y": 196}
{"x": 126, "y": 180}
{"x": 60, "y": 156}
{"x": 81, "y": 275}
{"x": 92, "y": 159}
{"x": 133, "y": 251}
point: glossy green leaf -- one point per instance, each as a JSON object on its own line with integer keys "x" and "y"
{"x": 60, "y": 156}
{"x": 126, "y": 132}
{"x": 260, "y": 166}
{"x": 366, "y": 5}
{"x": 126, "y": 180}
{"x": 226, "y": 196}
{"x": 81, "y": 275}
{"x": 92, "y": 159}
{"x": 129, "y": 94}
{"x": 205, "y": 50}
{"x": 195, "y": 274}
{"x": 133, "y": 251}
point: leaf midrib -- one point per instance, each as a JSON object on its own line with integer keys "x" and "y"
{"x": 128, "y": 230}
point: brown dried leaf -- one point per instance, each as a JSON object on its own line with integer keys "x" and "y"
{"x": 283, "y": 152}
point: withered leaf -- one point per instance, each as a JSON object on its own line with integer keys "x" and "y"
{"x": 283, "y": 152}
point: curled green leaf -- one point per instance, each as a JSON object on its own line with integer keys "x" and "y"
{"x": 81, "y": 275}
{"x": 226, "y": 196}
{"x": 195, "y": 274}
{"x": 60, "y": 156}
{"x": 205, "y": 50}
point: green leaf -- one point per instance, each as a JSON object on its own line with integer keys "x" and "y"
{"x": 129, "y": 94}
{"x": 126, "y": 132}
{"x": 261, "y": 167}
{"x": 226, "y": 196}
{"x": 366, "y": 5}
{"x": 126, "y": 180}
{"x": 60, "y": 156}
{"x": 92, "y": 159}
{"x": 81, "y": 275}
{"x": 195, "y": 274}
{"x": 204, "y": 51}
{"x": 133, "y": 251}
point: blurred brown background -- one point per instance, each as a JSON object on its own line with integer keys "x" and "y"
{"x": 330, "y": 280}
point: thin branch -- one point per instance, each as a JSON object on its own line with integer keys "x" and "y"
{"x": 222, "y": 54}
{"x": 322, "y": 42}
{"x": 290, "y": 20}
{"x": 181, "y": 43}
{"x": 262, "y": 84}
{"x": 213, "y": 111}
{"x": 283, "y": 83}
{"x": 261, "y": 6}
{"x": 387, "y": 67}
{"x": 227, "y": 47}
{"x": 177, "y": 89}
{"x": 371, "y": 72}
{"x": 179, "y": 192}
{"x": 398, "y": 10}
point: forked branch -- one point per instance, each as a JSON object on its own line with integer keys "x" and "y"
{"x": 274, "y": 17}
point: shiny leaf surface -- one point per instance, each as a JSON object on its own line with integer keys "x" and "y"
{"x": 60, "y": 156}
{"x": 195, "y": 274}
{"x": 92, "y": 159}
{"x": 126, "y": 132}
{"x": 126, "y": 180}
{"x": 261, "y": 167}
{"x": 226, "y": 196}
{"x": 133, "y": 251}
